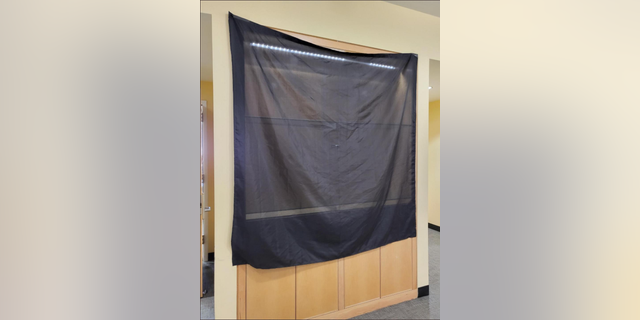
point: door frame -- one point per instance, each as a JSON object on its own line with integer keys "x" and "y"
{"x": 203, "y": 187}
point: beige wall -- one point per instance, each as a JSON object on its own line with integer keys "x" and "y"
{"x": 375, "y": 24}
{"x": 434, "y": 162}
{"x": 206, "y": 93}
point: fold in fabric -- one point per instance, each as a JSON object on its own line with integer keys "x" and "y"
{"x": 324, "y": 149}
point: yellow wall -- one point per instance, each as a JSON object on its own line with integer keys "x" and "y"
{"x": 206, "y": 93}
{"x": 434, "y": 162}
{"x": 375, "y": 24}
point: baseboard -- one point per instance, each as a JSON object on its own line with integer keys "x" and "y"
{"x": 211, "y": 256}
{"x": 434, "y": 227}
{"x": 423, "y": 291}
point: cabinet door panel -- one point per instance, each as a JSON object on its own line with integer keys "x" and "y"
{"x": 271, "y": 293}
{"x": 316, "y": 289}
{"x": 396, "y": 265}
{"x": 362, "y": 277}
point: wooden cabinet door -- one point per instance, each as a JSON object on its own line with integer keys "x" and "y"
{"x": 316, "y": 289}
{"x": 271, "y": 293}
{"x": 362, "y": 277}
{"x": 396, "y": 267}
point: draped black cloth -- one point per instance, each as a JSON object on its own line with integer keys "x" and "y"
{"x": 324, "y": 149}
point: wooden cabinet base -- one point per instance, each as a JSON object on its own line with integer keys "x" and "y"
{"x": 335, "y": 287}
{"x": 350, "y": 312}
{"x": 369, "y": 306}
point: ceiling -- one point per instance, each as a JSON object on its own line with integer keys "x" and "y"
{"x": 428, "y": 7}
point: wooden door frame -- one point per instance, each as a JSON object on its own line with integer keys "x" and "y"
{"x": 202, "y": 111}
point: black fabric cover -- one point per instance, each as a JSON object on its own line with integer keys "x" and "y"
{"x": 324, "y": 149}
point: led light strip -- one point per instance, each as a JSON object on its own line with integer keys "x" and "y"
{"x": 317, "y": 55}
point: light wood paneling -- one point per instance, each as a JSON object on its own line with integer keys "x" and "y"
{"x": 271, "y": 293}
{"x": 396, "y": 265}
{"x": 340, "y": 284}
{"x": 370, "y": 306}
{"x": 414, "y": 257}
{"x": 316, "y": 289}
{"x": 362, "y": 277}
{"x": 242, "y": 291}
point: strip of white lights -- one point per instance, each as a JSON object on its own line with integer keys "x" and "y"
{"x": 317, "y": 55}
